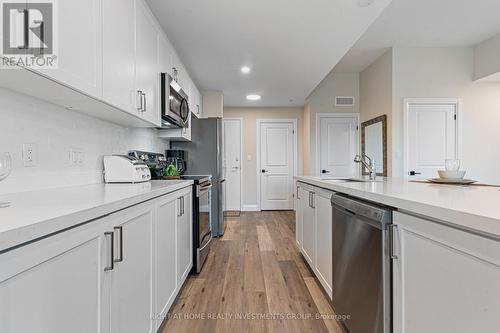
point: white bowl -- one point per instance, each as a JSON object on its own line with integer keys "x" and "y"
{"x": 448, "y": 174}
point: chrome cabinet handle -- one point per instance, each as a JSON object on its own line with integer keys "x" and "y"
{"x": 145, "y": 106}
{"x": 139, "y": 101}
{"x": 112, "y": 251}
{"x": 310, "y": 204}
{"x": 183, "y": 206}
{"x": 313, "y": 195}
{"x": 120, "y": 229}
{"x": 298, "y": 193}
{"x": 392, "y": 233}
{"x": 180, "y": 207}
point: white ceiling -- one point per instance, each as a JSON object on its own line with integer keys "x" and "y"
{"x": 290, "y": 44}
{"x": 424, "y": 23}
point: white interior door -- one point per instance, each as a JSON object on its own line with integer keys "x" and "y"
{"x": 338, "y": 146}
{"x": 277, "y": 155}
{"x": 232, "y": 163}
{"x": 431, "y": 138}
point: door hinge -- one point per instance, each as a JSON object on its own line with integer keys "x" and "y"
{"x": 455, "y": 116}
{"x": 293, "y": 131}
{"x": 357, "y": 128}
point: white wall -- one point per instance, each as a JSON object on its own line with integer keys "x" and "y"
{"x": 487, "y": 58}
{"x": 56, "y": 130}
{"x": 448, "y": 72}
{"x": 322, "y": 100}
{"x": 375, "y": 96}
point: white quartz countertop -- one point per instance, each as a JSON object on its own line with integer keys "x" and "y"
{"x": 39, "y": 213}
{"x": 472, "y": 208}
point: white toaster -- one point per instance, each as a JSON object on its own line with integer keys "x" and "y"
{"x": 125, "y": 169}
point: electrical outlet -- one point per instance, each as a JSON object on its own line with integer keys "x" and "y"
{"x": 30, "y": 154}
{"x": 76, "y": 157}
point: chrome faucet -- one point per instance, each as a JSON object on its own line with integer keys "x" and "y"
{"x": 370, "y": 165}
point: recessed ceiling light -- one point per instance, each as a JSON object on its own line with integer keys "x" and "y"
{"x": 245, "y": 69}
{"x": 253, "y": 97}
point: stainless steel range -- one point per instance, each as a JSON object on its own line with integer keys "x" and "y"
{"x": 203, "y": 217}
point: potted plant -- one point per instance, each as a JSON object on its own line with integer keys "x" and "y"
{"x": 171, "y": 172}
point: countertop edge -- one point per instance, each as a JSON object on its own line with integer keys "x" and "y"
{"x": 20, "y": 236}
{"x": 469, "y": 222}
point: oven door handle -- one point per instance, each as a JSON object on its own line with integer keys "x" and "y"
{"x": 200, "y": 190}
{"x": 209, "y": 241}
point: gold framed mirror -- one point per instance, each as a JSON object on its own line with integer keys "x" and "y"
{"x": 374, "y": 143}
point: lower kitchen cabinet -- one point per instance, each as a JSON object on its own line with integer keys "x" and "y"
{"x": 55, "y": 284}
{"x": 184, "y": 236}
{"x": 323, "y": 263}
{"x": 314, "y": 231}
{"x": 131, "y": 279}
{"x": 444, "y": 279}
{"x": 165, "y": 259}
{"x": 119, "y": 274}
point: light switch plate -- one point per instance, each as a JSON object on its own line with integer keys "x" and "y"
{"x": 30, "y": 154}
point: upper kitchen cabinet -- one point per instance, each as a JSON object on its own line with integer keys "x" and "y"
{"x": 178, "y": 71}
{"x": 119, "y": 54}
{"x": 165, "y": 51}
{"x": 147, "y": 68}
{"x": 78, "y": 52}
{"x": 195, "y": 101}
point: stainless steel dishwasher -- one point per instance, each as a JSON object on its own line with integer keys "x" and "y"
{"x": 361, "y": 264}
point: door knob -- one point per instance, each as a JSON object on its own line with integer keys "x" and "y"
{"x": 264, "y": 171}
{"x": 325, "y": 171}
{"x": 413, "y": 173}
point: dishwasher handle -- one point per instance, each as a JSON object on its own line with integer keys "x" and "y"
{"x": 357, "y": 207}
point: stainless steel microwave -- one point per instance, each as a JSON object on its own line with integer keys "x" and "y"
{"x": 174, "y": 103}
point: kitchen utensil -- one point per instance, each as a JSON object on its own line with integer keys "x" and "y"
{"x": 448, "y": 174}
{"x": 452, "y": 181}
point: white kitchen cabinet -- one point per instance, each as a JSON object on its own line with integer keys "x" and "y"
{"x": 299, "y": 216}
{"x": 147, "y": 68}
{"x": 314, "y": 231}
{"x": 323, "y": 239}
{"x": 184, "y": 236}
{"x": 165, "y": 256}
{"x": 195, "y": 102}
{"x": 444, "y": 279}
{"x": 119, "y": 54}
{"x": 182, "y": 75}
{"x": 177, "y": 134}
{"x": 131, "y": 280}
{"x": 308, "y": 226}
{"x": 165, "y": 51}
{"x": 79, "y": 52}
{"x": 56, "y": 283}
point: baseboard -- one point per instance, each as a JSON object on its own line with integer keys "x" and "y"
{"x": 250, "y": 208}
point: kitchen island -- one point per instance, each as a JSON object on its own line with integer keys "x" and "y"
{"x": 444, "y": 249}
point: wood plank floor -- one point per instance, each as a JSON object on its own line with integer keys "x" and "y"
{"x": 254, "y": 280}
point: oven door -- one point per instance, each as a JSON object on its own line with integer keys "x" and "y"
{"x": 204, "y": 223}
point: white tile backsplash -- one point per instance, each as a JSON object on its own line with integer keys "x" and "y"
{"x": 56, "y": 131}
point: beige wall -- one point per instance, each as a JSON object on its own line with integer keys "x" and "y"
{"x": 375, "y": 99}
{"x": 250, "y": 116}
{"x": 448, "y": 72}
{"x": 322, "y": 100}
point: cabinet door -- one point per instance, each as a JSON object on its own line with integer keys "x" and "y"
{"x": 79, "y": 53}
{"x": 165, "y": 54}
{"x": 323, "y": 263}
{"x": 56, "y": 282}
{"x": 165, "y": 255}
{"x": 119, "y": 54}
{"x": 444, "y": 279}
{"x": 147, "y": 72}
{"x": 301, "y": 196}
{"x": 132, "y": 278}
{"x": 308, "y": 228}
{"x": 184, "y": 237}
